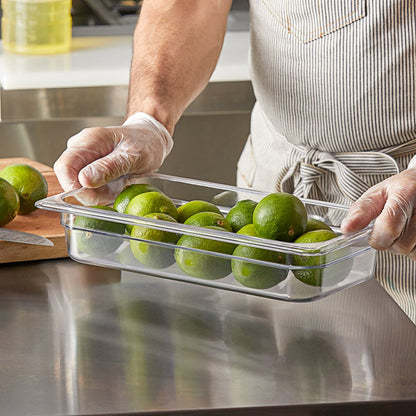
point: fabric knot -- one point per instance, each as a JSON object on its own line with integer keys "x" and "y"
{"x": 310, "y": 174}
{"x": 309, "y": 168}
{"x": 315, "y": 174}
{"x": 311, "y": 155}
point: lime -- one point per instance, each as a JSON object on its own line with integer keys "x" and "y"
{"x": 28, "y": 182}
{"x": 9, "y": 202}
{"x": 153, "y": 255}
{"x": 206, "y": 219}
{"x": 149, "y": 203}
{"x": 204, "y": 266}
{"x": 316, "y": 236}
{"x": 241, "y": 214}
{"x": 321, "y": 276}
{"x": 280, "y": 216}
{"x": 193, "y": 207}
{"x": 314, "y": 224}
{"x": 96, "y": 243}
{"x": 129, "y": 192}
{"x": 125, "y": 257}
{"x": 256, "y": 275}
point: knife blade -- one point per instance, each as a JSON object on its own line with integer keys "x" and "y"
{"x": 23, "y": 237}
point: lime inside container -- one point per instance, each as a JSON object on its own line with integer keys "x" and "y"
{"x": 292, "y": 272}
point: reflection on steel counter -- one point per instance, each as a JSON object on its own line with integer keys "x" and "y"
{"x": 87, "y": 340}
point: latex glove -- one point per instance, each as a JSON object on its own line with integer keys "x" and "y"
{"x": 392, "y": 204}
{"x": 98, "y": 155}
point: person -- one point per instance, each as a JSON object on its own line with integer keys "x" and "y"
{"x": 334, "y": 119}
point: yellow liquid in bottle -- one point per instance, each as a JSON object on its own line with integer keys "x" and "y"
{"x": 36, "y": 26}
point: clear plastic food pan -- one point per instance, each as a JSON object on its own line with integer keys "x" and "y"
{"x": 208, "y": 255}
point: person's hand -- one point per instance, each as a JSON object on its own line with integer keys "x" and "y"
{"x": 98, "y": 155}
{"x": 392, "y": 204}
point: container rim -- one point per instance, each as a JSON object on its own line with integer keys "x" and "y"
{"x": 57, "y": 203}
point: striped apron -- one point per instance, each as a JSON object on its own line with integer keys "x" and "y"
{"x": 335, "y": 83}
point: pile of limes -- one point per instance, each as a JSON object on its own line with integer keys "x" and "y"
{"x": 21, "y": 186}
{"x": 278, "y": 216}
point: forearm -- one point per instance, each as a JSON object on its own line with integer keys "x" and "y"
{"x": 176, "y": 47}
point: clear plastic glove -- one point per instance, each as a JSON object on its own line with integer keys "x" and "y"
{"x": 392, "y": 204}
{"x": 98, "y": 155}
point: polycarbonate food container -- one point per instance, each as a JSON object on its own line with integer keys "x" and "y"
{"x": 303, "y": 273}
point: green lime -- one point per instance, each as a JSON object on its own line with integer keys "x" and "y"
{"x": 280, "y": 216}
{"x": 320, "y": 276}
{"x": 193, "y": 207}
{"x": 153, "y": 255}
{"x": 89, "y": 238}
{"x": 206, "y": 219}
{"x": 314, "y": 224}
{"x": 149, "y": 203}
{"x": 28, "y": 182}
{"x": 241, "y": 214}
{"x": 204, "y": 266}
{"x": 254, "y": 275}
{"x": 125, "y": 257}
{"x": 128, "y": 193}
{"x": 9, "y": 202}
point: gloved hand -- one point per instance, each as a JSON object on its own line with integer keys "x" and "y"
{"x": 98, "y": 155}
{"x": 392, "y": 204}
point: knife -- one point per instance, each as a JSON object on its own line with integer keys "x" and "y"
{"x": 23, "y": 237}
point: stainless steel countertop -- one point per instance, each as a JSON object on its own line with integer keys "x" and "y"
{"x": 78, "y": 340}
{"x": 52, "y": 104}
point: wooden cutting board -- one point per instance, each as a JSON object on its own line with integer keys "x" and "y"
{"x": 40, "y": 222}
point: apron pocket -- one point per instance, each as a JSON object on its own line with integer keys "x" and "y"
{"x": 308, "y": 20}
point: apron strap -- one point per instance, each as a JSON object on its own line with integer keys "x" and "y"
{"x": 313, "y": 171}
